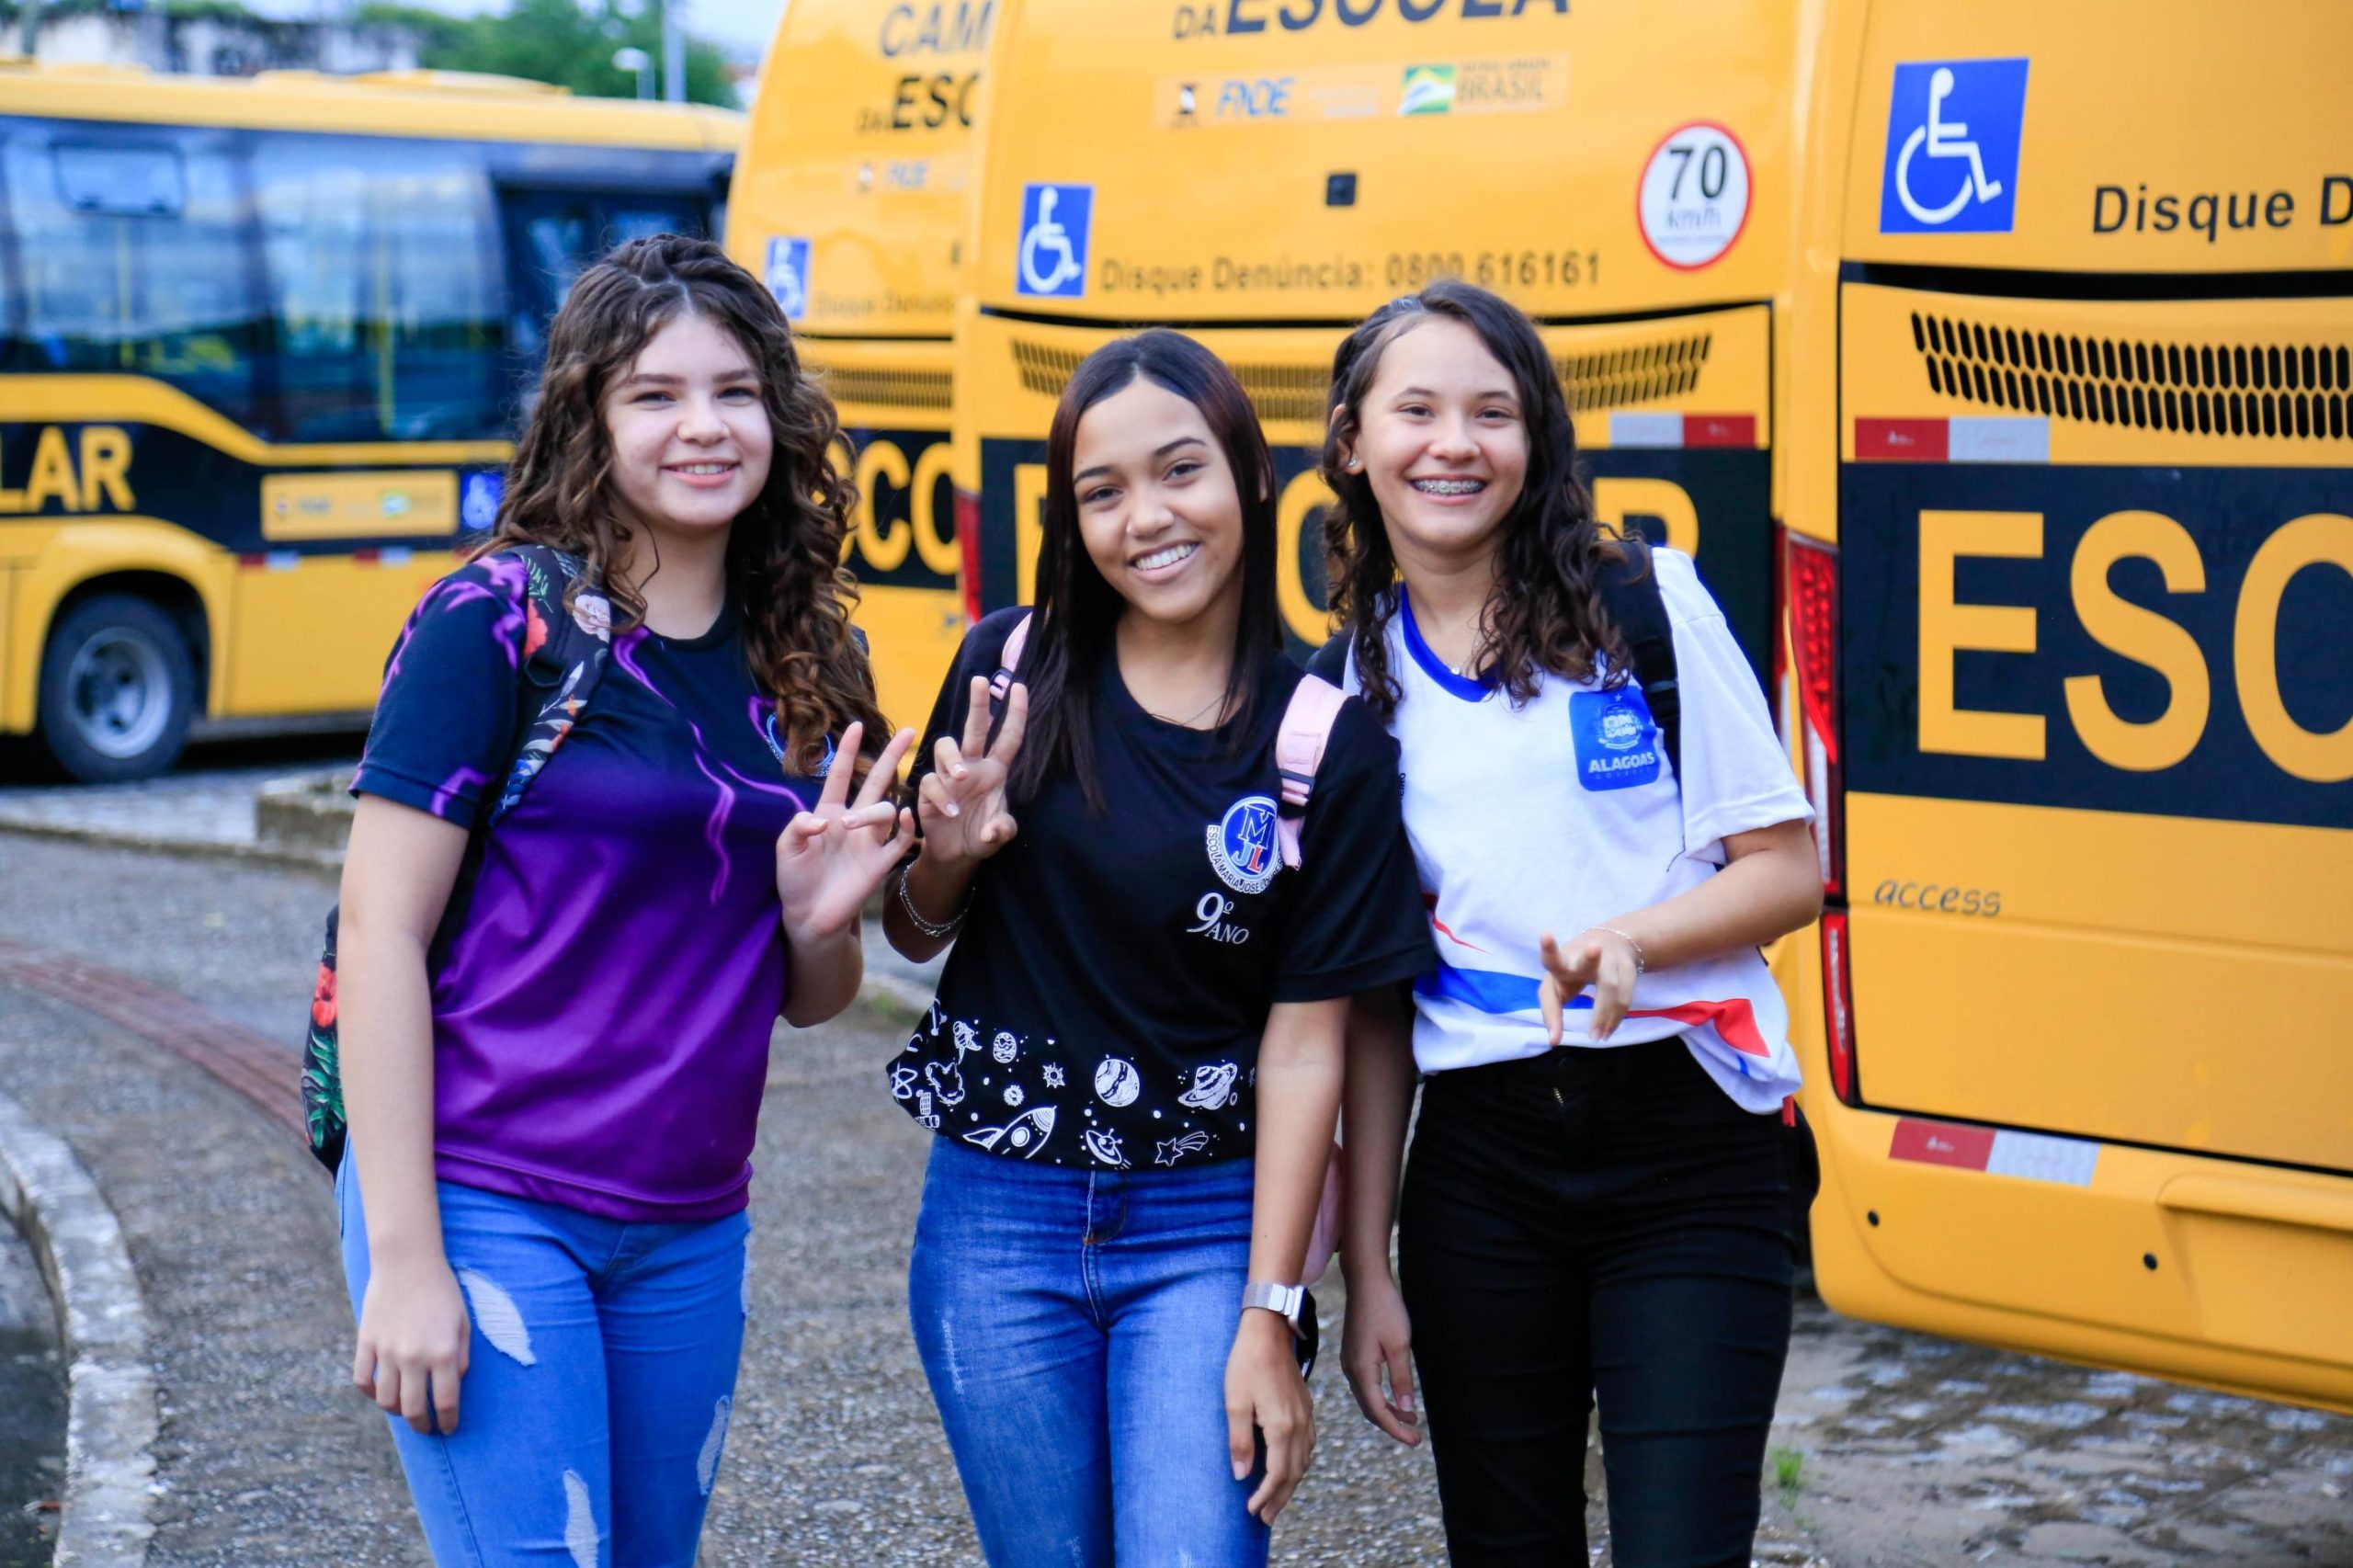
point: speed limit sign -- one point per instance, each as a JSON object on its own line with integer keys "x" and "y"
{"x": 1694, "y": 197}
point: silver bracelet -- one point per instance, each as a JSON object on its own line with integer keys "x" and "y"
{"x": 1641, "y": 964}
{"x": 929, "y": 928}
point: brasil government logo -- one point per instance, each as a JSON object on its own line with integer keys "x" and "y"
{"x": 1241, "y": 845}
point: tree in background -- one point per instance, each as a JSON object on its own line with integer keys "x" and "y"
{"x": 560, "y": 42}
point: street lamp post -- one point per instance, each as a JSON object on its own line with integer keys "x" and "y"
{"x": 673, "y": 51}
{"x": 636, "y": 59}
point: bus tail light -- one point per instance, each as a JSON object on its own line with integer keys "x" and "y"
{"x": 1812, "y": 588}
{"x": 1838, "y": 1008}
{"x": 968, "y": 545}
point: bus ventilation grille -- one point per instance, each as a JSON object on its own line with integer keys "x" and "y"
{"x": 2304, "y": 392}
{"x": 1643, "y": 373}
{"x": 899, "y": 389}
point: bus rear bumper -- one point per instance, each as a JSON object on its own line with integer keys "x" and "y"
{"x": 2212, "y": 1271}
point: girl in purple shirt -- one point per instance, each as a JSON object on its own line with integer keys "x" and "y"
{"x": 555, "y": 1032}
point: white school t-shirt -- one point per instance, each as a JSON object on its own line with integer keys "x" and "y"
{"x": 1564, "y": 813}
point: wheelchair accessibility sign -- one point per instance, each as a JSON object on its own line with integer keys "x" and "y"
{"x": 787, "y": 275}
{"x": 1054, "y": 224}
{"x": 1952, "y": 148}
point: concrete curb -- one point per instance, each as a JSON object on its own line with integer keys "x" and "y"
{"x": 111, "y": 1421}
{"x": 189, "y": 848}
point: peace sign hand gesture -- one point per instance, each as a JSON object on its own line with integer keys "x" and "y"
{"x": 960, "y": 803}
{"x": 831, "y": 858}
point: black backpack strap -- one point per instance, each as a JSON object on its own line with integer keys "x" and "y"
{"x": 1331, "y": 661}
{"x": 1632, "y": 593}
{"x": 575, "y": 633}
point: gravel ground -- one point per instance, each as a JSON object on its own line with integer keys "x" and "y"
{"x": 32, "y": 1408}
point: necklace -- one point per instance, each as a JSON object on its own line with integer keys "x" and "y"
{"x": 1186, "y": 722}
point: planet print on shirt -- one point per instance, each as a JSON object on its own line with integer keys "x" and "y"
{"x": 1213, "y": 1087}
{"x": 1116, "y": 1082}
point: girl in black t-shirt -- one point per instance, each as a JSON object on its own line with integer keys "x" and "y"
{"x": 1134, "y": 1063}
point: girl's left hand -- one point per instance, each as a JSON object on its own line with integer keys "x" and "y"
{"x": 829, "y": 860}
{"x": 1265, "y": 1391}
{"x": 1602, "y": 959}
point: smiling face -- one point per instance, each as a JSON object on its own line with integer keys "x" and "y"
{"x": 691, "y": 437}
{"x": 1443, "y": 441}
{"x": 1157, "y": 506}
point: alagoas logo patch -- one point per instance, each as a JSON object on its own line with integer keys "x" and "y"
{"x": 1241, "y": 845}
{"x": 1617, "y": 743}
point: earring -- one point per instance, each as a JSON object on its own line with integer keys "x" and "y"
{"x": 1353, "y": 464}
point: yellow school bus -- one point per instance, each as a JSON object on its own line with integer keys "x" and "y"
{"x": 261, "y": 346}
{"x": 852, "y": 200}
{"x": 1264, "y": 173}
{"x": 2070, "y": 573}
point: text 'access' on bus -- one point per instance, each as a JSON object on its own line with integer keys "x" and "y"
{"x": 2071, "y": 499}
{"x": 852, "y": 202}
{"x": 262, "y": 345}
{"x": 1265, "y": 175}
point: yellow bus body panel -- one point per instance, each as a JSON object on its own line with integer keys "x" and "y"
{"x": 47, "y": 558}
{"x": 2093, "y": 545}
{"x": 861, "y": 150}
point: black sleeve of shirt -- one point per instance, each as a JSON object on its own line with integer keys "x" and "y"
{"x": 1354, "y": 920}
{"x": 445, "y": 724}
{"x": 982, "y": 646}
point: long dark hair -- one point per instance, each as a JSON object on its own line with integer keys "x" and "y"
{"x": 784, "y": 550}
{"x": 1077, "y": 610}
{"x": 1547, "y": 614}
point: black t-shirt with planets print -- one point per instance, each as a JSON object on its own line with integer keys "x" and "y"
{"x": 1103, "y": 1003}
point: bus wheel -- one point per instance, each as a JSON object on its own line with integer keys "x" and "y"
{"x": 118, "y": 689}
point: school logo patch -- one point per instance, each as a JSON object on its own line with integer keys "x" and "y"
{"x": 1616, "y": 742}
{"x": 1241, "y": 845}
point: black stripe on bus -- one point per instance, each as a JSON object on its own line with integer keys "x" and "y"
{"x": 1318, "y": 324}
{"x": 2019, "y": 283}
{"x": 1879, "y": 1109}
{"x": 873, "y": 336}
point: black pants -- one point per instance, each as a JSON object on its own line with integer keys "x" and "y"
{"x": 1599, "y": 1221}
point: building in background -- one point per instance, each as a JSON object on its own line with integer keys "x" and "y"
{"x": 208, "y": 38}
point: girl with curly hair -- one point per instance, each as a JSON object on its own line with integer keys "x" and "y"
{"x": 1603, "y": 1182}
{"x": 556, "y": 1030}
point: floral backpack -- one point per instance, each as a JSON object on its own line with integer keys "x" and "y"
{"x": 565, "y": 646}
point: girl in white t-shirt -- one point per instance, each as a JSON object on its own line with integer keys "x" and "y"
{"x": 1606, "y": 1178}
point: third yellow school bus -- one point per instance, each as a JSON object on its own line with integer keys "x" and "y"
{"x": 2071, "y": 574}
{"x": 852, "y": 200}
{"x": 1264, "y": 173}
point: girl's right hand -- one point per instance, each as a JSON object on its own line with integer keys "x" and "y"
{"x": 1376, "y": 1337}
{"x": 413, "y": 1341}
{"x": 961, "y": 803}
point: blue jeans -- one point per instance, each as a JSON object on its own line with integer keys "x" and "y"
{"x": 1075, "y": 1326}
{"x": 601, "y": 1350}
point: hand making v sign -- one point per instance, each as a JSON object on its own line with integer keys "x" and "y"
{"x": 960, "y": 803}
{"x": 830, "y": 859}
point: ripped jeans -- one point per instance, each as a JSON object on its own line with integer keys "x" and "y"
{"x": 597, "y": 1387}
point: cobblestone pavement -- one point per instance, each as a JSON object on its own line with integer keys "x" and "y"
{"x": 1892, "y": 1448}
{"x": 32, "y": 1408}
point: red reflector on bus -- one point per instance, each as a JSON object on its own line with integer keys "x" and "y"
{"x": 1942, "y": 1144}
{"x": 967, "y": 547}
{"x": 1838, "y": 1008}
{"x": 1900, "y": 440}
{"x": 1996, "y": 1151}
{"x": 1720, "y": 429}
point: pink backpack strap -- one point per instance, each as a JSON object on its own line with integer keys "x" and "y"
{"x": 1009, "y": 659}
{"x": 1299, "y": 752}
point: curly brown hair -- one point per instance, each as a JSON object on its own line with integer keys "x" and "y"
{"x": 784, "y": 552}
{"x": 1547, "y": 614}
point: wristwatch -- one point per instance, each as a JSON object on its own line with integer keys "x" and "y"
{"x": 1296, "y": 1308}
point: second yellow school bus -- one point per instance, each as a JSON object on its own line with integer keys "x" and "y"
{"x": 852, "y": 200}
{"x": 1264, "y": 173}
{"x": 2070, "y": 487}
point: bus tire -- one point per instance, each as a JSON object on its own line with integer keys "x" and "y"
{"x": 118, "y": 690}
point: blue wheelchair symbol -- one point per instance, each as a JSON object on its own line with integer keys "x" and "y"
{"x": 1952, "y": 148}
{"x": 787, "y": 275}
{"x": 478, "y": 501}
{"x": 1055, "y": 220}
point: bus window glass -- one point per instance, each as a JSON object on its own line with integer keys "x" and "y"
{"x": 133, "y": 257}
{"x": 384, "y": 287}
